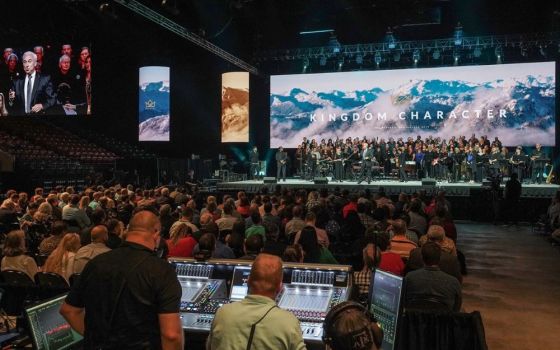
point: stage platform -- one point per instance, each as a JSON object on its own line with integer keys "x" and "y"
{"x": 391, "y": 187}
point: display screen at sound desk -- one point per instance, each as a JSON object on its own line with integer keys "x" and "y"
{"x": 305, "y": 298}
{"x": 385, "y": 299}
{"x": 239, "y": 287}
{"x": 191, "y": 288}
{"x": 49, "y": 330}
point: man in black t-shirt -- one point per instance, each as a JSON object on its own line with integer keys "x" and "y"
{"x": 128, "y": 298}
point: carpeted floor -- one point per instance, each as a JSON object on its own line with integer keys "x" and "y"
{"x": 514, "y": 281}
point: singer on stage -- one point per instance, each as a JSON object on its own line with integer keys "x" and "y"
{"x": 254, "y": 158}
{"x": 281, "y": 160}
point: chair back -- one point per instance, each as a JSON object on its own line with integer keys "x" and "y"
{"x": 50, "y": 280}
{"x": 41, "y": 259}
{"x": 73, "y": 278}
{"x": 16, "y": 278}
{"x": 18, "y": 288}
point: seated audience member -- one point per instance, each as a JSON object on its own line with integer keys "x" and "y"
{"x": 99, "y": 236}
{"x": 349, "y": 326}
{"x": 429, "y": 286}
{"x": 390, "y": 261}
{"x": 448, "y": 262}
{"x": 322, "y": 237}
{"x": 227, "y": 220}
{"x": 410, "y": 234}
{"x": 400, "y": 244}
{"x": 186, "y": 217}
{"x": 443, "y": 219}
{"x": 116, "y": 231}
{"x": 252, "y": 247}
{"x": 272, "y": 245}
{"x": 97, "y": 218}
{"x": 52, "y": 199}
{"x": 166, "y": 220}
{"x": 293, "y": 253}
{"x": 233, "y": 326}
{"x": 244, "y": 207}
{"x": 362, "y": 278}
{"x": 417, "y": 220}
{"x": 256, "y": 228}
{"x": 50, "y": 243}
{"x": 206, "y": 246}
{"x": 73, "y": 213}
{"x": 61, "y": 260}
{"x": 296, "y": 223}
{"x": 313, "y": 251}
{"x": 15, "y": 257}
{"x": 180, "y": 242}
{"x": 236, "y": 239}
{"x": 219, "y": 250}
{"x": 437, "y": 233}
{"x": 268, "y": 217}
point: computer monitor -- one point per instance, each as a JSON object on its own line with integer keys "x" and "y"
{"x": 239, "y": 286}
{"x": 385, "y": 304}
{"x": 49, "y": 330}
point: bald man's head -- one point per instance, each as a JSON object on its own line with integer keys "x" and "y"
{"x": 144, "y": 228}
{"x": 266, "y": 276}
{"x": 99, "y": 234}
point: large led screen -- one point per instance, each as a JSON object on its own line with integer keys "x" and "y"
{"x": 235, "y": 107}
{"x": 54, "y": 79}
{"x": 153, "y": 104}
{"x": 515, "y": 102}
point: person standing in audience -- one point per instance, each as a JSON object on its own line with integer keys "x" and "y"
{"x": 85, "y": 254}
{"x": 431, "y": 285}
{"x": 15, "y": 257}
{"x": 257, "y": 322}
{"x": 128, "y": 298}
{"x": 61, "y": 260}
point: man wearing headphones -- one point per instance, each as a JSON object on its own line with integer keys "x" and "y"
{"x": 350, "y": 326}
{"x": 257, "y": 322}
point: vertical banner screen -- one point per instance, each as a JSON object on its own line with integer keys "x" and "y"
{"x": 235, "y": 107}
{"x": 153, "y": 104}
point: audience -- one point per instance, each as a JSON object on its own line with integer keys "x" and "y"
{"x": 313, "y": 251}
{"x": 49, "y": 244}
{"x": 389, "y": 261}
{"x": 180, "y": 242}
{"x": 15, "y": 257}
{"x": 400, "y": 243}
{"x": 99, "y": 236}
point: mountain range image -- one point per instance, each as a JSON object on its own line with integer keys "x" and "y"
{"x": 154, "y": 119}
{"x": 529, "y": 105}
{"x": 235, "y": 115}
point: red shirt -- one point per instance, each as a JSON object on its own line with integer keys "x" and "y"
{"x": 183, "y": 248}
{"x": 392, "y": 262}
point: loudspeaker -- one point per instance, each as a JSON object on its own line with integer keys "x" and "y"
{"x": 428, "y": 182}
{"x": 269, "y": 180}
{"x": 320, "y": 180}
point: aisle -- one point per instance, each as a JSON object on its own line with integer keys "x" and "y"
{"x": 514, "y": 281}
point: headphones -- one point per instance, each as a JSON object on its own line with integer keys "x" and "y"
{"x": 362, "y": 338}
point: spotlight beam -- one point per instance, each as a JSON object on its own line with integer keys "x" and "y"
{"x": 170, "y": 25}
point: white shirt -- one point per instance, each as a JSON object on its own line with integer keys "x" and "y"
{"x": 25, "y": 88}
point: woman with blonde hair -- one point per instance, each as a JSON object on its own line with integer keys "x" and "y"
{"x": 180, "y": 242}
{"x": 14, "y": 255}
{"x": 61, "y": 260}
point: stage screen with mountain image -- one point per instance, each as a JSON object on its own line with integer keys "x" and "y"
{"x": 235, "y": 107}
{"x": 515, "y": 102}
{"x": 153, "y": 104}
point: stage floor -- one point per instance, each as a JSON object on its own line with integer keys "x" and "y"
{"x": 391, "y": 187}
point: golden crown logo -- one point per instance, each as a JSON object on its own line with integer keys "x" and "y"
{"x": 150, "y": 104}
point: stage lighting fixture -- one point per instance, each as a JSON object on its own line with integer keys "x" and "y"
{"x": 377, "y": 58}
{"x": 323, "y": 61}
{"x": 436, "y": 54}
{"x": 477, "y": 52}
{"x": 390, "y": 39}
{"x": 458, "y": 34}
{"x": 499, "y": 52}
{"x": 334, "y": 45}
{"x": 416, "y": 56}
{"x": 359, "y": 59}
{"x": 397, "y": 56}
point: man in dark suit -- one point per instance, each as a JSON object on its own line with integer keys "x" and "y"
{"x": 254, "y": 158}
{"x": 281, "y": 159}
{"x": 33, "y": 93}
{"x": 366, "y": 157}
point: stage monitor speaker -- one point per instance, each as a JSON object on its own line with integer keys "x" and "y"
{"x": 269, "y": 180}
{"x": 428, "y": 182}
{"x": 320, "y": 180}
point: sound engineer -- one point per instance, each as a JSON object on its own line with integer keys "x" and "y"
{"x": 256, "y": 322}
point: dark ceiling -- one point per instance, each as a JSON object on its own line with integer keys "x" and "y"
{"x": 243, "y": 26}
